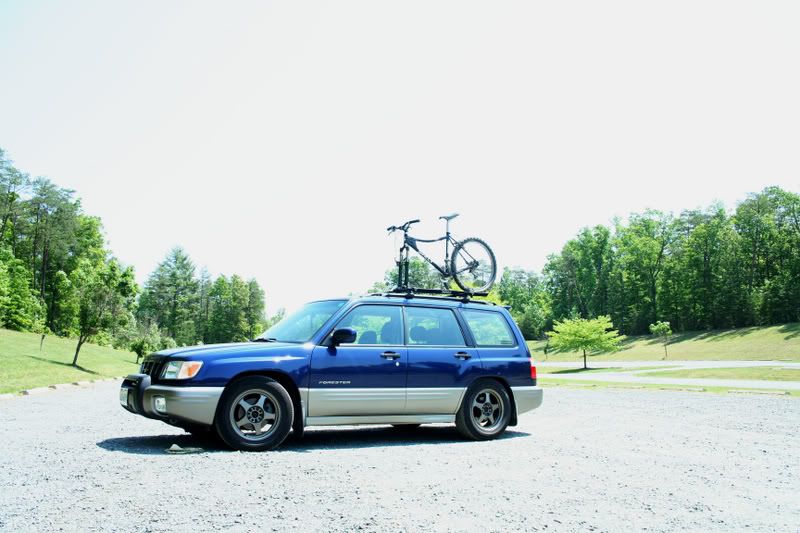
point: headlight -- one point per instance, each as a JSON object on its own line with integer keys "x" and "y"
{"x": 181, "y": 369}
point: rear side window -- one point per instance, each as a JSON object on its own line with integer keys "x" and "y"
{"x": 437, "y": 327}
{"x": 489, "y": 328}
{"x": 375, "y": 324}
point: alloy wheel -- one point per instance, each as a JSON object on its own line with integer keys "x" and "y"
{"x": 254, "y": 414}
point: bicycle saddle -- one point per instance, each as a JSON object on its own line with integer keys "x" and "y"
{"x": 448, "y": 217}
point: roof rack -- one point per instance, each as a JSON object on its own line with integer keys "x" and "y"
{"x": 435, "y": 294}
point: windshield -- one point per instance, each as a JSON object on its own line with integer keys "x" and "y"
{"x": 301, "y": 325}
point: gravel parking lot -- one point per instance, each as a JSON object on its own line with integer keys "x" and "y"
{"x": 590, "y": 460}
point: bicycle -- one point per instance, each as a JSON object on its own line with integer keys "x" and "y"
{"x": 472, "y": 264}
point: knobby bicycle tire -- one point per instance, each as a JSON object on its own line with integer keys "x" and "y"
{"x": 460, "y": 280}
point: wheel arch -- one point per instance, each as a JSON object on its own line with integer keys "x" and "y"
{"x": 502, "y": 381}
{"x": 286, "y": 381}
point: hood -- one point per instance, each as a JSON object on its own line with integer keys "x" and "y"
{"x": 229, "y": 350}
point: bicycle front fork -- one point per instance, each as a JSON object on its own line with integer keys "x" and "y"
{"x": 402, "y": 269}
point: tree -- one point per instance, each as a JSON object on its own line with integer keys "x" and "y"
{"x": 530, "y": 305}
{"x": 54, "y": 213}
{"x": 190, "y": 310}
{"x": 99, "y": 291}
{"x": 237, "y": 310}
{"x": 203, "y": 308}
{"x": 643, "y": 249}
{"x": 274, "y": 319}
{"x": 148, "y": 339}
{"x": 534, "y": 319}
{"x": 13, "y": 184}
{"x": 662, "y": 330}
{"x": 578, "y": 277}
{"x": 580, "y": 334}
{"x": 781, "y": 290}
{"x": 170, "y": 297}
{"x": 254, "y": 311}
{"x": 5, "y": 290}
{"x": 20, "y": 308}
{"x": 220, "y": 328}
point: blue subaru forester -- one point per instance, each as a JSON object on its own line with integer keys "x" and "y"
{"x": 397, "y": 359}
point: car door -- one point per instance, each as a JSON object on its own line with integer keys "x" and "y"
{"x": 367, "y": 377}
{"x": 440, "y": 364}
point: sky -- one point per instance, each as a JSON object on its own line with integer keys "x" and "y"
{"x": 279, "y": 140}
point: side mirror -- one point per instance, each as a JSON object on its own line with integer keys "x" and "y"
{"x": 343, "y": 336}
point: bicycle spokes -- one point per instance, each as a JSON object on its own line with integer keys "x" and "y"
{"x": 473, "y": 265}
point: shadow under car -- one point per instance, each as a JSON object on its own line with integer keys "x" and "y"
{"x": 321, "y": 438}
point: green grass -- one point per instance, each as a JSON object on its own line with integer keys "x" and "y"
{"x": 764, "y": 373}
{"x": 755, "y": 344}
{"x": 554, "y": 382}
{"x": 551, "y": 370}
{"x": 556, "y": 370}
{"x": 23, "y": 366}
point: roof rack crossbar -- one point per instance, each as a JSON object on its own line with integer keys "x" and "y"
{"x": 435, "y": 294}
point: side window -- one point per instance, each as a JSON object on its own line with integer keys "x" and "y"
{"x": 375, "y": 324}
{"x": 437, "y": 327}
{"x": 489, "y": 328}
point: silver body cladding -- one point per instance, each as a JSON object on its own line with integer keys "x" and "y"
{"x": 334, "y": 406}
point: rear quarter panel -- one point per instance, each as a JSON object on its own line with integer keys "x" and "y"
{"x": 511, "y": 363}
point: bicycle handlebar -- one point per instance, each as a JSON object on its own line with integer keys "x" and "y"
{"x": 403, "y": 226}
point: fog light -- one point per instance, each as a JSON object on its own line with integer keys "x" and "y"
{"x": 160, "y": 404}
{"x": 123, "y": 396}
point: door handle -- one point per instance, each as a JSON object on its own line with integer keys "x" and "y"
{"x": 390, "y": 355}
{"x": 463, "y": 356}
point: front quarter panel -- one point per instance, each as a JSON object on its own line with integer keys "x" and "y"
{"x": 293, "y": 361}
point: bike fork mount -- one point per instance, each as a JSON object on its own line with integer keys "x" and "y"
{"x": 402, "y": 268}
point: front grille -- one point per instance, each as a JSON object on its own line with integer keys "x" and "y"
{"x": 151, "y": 368}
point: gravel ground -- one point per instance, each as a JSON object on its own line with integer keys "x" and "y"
{"x": 589, "y": 460}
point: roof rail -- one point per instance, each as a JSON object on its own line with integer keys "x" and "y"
{"x": 436, "y": 294}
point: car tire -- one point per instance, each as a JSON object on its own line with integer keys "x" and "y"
{"x": 255, "y": 414}
{"x": 485, "y": 411}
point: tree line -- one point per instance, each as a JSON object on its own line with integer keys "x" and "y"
{"x": 194, "y": 309}
{"x": 702, "y": 269}
{"x": 58, "y": 277}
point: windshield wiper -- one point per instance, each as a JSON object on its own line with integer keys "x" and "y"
{"x": 265, "y": 339}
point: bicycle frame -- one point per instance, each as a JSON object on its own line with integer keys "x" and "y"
{"x": 411, "y": 242}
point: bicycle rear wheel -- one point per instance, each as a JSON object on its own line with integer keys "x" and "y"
{"x": 473, "y": 265}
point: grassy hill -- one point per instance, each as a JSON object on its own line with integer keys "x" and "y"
{"x": 754, "y": 344}
{"x": 23, "y": 366}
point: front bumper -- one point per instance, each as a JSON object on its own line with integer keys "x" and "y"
{"x": 196, "y": 405}
{"x": 527, "y": 398}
